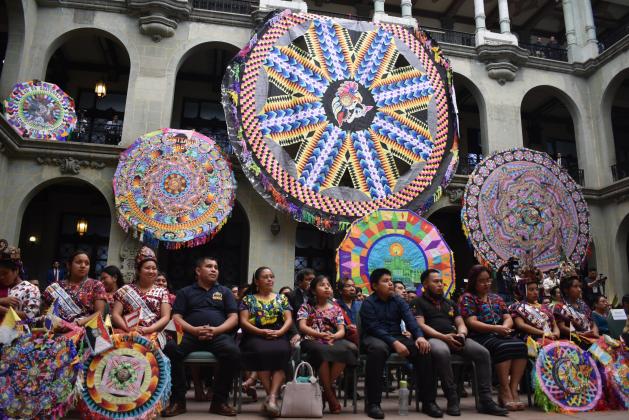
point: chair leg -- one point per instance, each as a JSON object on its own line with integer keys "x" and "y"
{"x": 355, "y": 389}
{"x": 475, "y": 386}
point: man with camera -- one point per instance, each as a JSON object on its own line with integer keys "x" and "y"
{"x": 593, "y": 285}
{"x": 439, "y": 319}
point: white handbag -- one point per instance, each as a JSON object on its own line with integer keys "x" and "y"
{"x": 302, "y": 396}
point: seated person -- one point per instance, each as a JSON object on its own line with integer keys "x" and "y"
{"x": 323, "y": 327}
{"x": 16, "y": 293}
{"x": 144, "y": 296}
{"x": 490, "y": 324}
{"x": 600, "y": 313}
{"x": 439, "y": 319}
{"x": 573, "y": 313}
{"x": 266, "y": 319}
{"x": 529, "y": 316}
{"x": 381, "y": 314}
{"x": 207, "y": 313}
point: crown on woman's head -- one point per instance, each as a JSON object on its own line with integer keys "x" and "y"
{"x": 144, "y": 254}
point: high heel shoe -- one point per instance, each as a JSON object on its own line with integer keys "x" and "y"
{"x": 333, "y": 404}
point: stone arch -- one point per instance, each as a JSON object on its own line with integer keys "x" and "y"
{"x": 622, "y": 245}
{"x": 50, "y": 211}
{"x": 610, "y": 94}
{"x": 465, "y": 85}
{"x": 65, "y": 36}
{"x": 553, "y": 97}
{"x": 76, "y": 61}
{"x": 230, "y": 246}
{"x": 186, "y": 53}
{"x": 15, "y": 45}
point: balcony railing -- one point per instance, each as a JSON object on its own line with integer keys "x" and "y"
{"x": 620, "y": 171}
{"x": 97, "y": 131}
{"x": 241, "y": 7}
{"x": 544, "y": 51}
{"x": 451, "y": 37}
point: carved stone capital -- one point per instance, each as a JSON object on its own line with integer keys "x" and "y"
{"x": 502, "y": 61}
{"x": 455, "y": 195}
{"x": 69, "y": 165}
{"x": 159, "y": 18}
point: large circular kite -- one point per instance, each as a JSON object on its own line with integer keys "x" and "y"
{"x": 174, "y": 186}
{"x": 38, "y": 375}
{"x": 520, "y": 203}
{"x": 399, "y": 240}
{"x": 40, "y": 110}
{"x": 130, "y": 380}
{"x": 333, "y": 119}
{"x": 566, "y": 378}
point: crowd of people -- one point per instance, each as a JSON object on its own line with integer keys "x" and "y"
{"x": 254, "y": 330}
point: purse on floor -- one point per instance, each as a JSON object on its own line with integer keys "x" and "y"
{"x": 302, "y": 396}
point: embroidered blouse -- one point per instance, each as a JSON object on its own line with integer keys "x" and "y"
{"x": 84, "y": 294}
{"x": 267, "y": 314}
{"x": 29, "y": 297}
{"x": 490, "y": 312}
{"x": 579, "y": 315}
{"x": 154, "y": 297}
{"x": 537, "y": 316}
{"x": 323, "y": 320}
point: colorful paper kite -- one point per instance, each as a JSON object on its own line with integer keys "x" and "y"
{"x": 399, "y": 240}
{"x": 131, "y": 380}
{"x": 333, "y": 119}
{"x": 40, "y": 110}
{"x": 520, "y": 203}
{"x": 174, "y": 186}
{"x": 566, "y": 378}
{"x": 38, "y": 375}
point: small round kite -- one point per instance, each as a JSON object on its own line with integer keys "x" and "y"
{"x": 174, "y": 186}
{"x": 38, "y": 375}
{"x": 520, "y": 203}
{"x": 130, "y": 380}
{"x": 333, "y": 119}
{"x": 566, "y": 378}
{"x": 399, "y": 240}
{"x": 40, "y": 110}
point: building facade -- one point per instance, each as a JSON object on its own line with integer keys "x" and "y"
{"x": 162, "y": 62}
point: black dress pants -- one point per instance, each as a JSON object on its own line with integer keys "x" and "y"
{"x": 377, "y": 354}
{"x": 222, "y": 347}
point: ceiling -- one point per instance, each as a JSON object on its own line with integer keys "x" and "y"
{"x": 528, "y": 17}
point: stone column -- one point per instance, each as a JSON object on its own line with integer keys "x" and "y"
{"x": 505, "y": 22}
{"x": 580, "y": 30}
{"x": 479, "y": 15}
{"x": 378, "y": 6}
{"x": 407, "y": 9}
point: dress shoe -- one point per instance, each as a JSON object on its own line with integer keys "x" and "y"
{"x": 432, "y": 409}
{"x": 375, "y": 412}
{"x": 222, "y": 409}
{"x": 454, "y": 408}
{"x": 490, "y": 407}
{"x": 174, "y": 409}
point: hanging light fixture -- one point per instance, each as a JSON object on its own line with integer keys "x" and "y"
{"x": 81, "y": 226}
{"x": 100, "y": 89}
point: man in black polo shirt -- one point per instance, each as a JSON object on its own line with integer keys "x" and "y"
{"x": 207, "y": 313}
{"x": 439, "y": 319}
{"x": 380, "y": 318}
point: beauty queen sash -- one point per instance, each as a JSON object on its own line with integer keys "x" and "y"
{"x": 535, "y": 316}
{"x": 68, "y": 309}
{"x": 133, "y": 299}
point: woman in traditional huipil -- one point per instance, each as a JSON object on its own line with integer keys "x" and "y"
{"x": 529, "y": 316}
{"x": 572, "y": 313}
{"x": 78, "y": 297}
{"x": 21, "y": 295}
{"x": 142, "y": 306}
{"x": 265, "y": 318}
{"x": 490, "y": 324}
